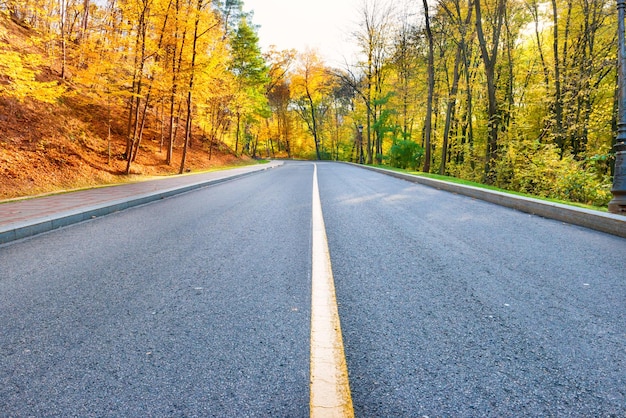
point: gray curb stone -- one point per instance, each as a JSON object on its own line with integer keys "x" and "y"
{"x": 599, "y": 221}
{"x": 25, "y": 229}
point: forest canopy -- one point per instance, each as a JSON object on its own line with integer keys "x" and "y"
{"x": 519, "y": 94}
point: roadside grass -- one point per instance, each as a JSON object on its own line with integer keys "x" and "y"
{"x": 487, "y": 187}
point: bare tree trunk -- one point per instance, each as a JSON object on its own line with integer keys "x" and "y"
{"x": 370, "y": 75}
{"x": 431, "y": 88}
{"x": 108, "y": 127}
{"x": 190, "y": 91}
{"x": 534, "y": 10}
{"x": 313, "y": 123}
{"x": 489, "y": 60}
{"x": 170, "y": 142}
{"x": 63, "y": 17}
{"x": 176, "y": 65}
{"x": 286, "y": 135}
{"x": 187, "y": 132}
{"x": 237, "y": 132}
{"x": 373, "y": 39}
{"x": 454, "y": 89}
{"x": 450, "y": 109}
{"x": 559, "y": 136}
{"x": 137, "y": 139}
{"x": 162, "y": 124}
{"x": 139, "y": 68}
{"x": 85, "y": 21}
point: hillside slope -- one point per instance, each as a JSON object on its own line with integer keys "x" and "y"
{"x": 65, "y": 144}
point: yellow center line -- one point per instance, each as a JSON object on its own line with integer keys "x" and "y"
{"x": 330, "y": 388}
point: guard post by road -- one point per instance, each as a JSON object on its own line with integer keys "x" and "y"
{"x": 618, "y": 203}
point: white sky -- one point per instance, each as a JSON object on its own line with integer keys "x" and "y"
{"x": 324, "y": 25}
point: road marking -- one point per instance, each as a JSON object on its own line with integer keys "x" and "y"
{"x": 330, "y": 389}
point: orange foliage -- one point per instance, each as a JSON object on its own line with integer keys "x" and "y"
{"x": 55, "y": 140}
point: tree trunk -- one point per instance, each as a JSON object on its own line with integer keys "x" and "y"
{"x": 431, "y": 88}
{"x": 188, "y": 125}
{"x": 559, "y": 136}
{"x": 489, "y": 61}
{"x": 314, "y": 124}
{"x": 63, "y": 17}
{"x": 85, "y": 21}
{"x": 108, "y": 128}
{"x": 177, "y": 57}
{"x": 139, "y": 68}
{"x": 237, "y": 133}
{"x": 450, "y": 108}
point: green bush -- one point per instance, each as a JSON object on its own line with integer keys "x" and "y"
{"x": 538, "y": 169}
{"x": 405, "y": 154}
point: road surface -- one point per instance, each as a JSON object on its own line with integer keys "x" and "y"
{"x": 200, "y": 305}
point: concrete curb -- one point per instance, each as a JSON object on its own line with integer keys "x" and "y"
{"x": 16, "y": 231}
{"x": 599, "y": 221}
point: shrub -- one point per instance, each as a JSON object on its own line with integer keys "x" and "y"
{"x": 405, "y": 154}
{"x": 538, "y": 169}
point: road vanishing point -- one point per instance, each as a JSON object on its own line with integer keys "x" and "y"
{"x": 305, "y": 289}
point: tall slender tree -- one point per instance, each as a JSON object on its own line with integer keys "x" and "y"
{"x": 251, "y": 73}
{"x": 431, "y": 89}
{"x": 489, "y": 53}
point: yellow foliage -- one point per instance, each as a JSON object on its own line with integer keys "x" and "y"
{"x": 538, "y": 169}
{"x": 19, "y": 79}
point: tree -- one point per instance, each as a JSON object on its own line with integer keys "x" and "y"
{"x": 311, "y": 86}
{"x": 141, "y": 39}
{"x": 374, "y": 38}
{"x": 463, "y": 24}
{"x": 230, "y": 13}
{"x": 279, "y": 95}
{"x": 489, "y": 54}
{"x": 251, "y": 73}
{"x": 431, "y": 88}
{"x": 406, "y": 64}
{"x": 192, "y": 73}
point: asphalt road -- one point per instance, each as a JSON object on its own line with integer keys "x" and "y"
{"x": 456, "y": 307}
{"x": 193, "y": 306}
{"x": 199, "y": 305}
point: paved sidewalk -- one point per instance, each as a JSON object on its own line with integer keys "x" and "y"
{"x": 24, "y": 218}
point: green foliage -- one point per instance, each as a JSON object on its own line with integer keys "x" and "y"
{"x": 247, "y": 62}
{"x": 406, "y": 154}
{"x": 384, "y": 124}
{"x": 537, "y": 169}
{"x": 325, "y": 155}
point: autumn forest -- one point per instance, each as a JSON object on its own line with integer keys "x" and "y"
{"x": 518, "y": 94}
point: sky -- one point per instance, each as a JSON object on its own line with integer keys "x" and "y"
{"x": 324, "y": 25}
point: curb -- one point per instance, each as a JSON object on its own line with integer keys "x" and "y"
{"x": 599, "y": 221}
{"x": 36, "y": 226}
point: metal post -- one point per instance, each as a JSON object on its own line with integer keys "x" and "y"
{"x": 360, "y": 128}
{"x": 618, "y": 204}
